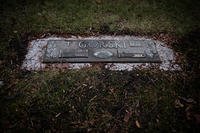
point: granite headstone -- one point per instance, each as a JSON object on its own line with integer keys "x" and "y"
{"x": 82, "y": 51}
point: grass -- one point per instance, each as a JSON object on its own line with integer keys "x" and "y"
{"x": 95, "y": 99}
{"x": 77, "y": 17}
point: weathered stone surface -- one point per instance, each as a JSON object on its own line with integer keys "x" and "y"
{"x": 81, "y": 51}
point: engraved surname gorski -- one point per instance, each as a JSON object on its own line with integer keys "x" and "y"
{"x": 102, "y": 44}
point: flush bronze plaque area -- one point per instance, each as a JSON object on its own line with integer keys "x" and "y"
{"x": 88, "y": 51}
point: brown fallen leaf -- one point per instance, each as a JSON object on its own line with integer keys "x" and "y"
{"x": 98, "y": 1}
{"x": 127, "y": 116}
{"x": 58, "y": 115}
{"x": 137, "y": 124}
{"x": 178, "y": 104}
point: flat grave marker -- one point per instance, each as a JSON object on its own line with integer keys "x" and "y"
{"x": 101, "y": 50}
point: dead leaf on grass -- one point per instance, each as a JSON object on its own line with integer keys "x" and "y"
{"x": 127, "y": 116}
{"x": 98, "y": 1}
{"x": 137, "y": 124}
{"x": 178, "y": 104}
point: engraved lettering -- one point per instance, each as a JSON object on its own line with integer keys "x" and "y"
{"x": 136, "y": 43}
{"x": 118, "y": 45}
{"x": 92, "y": 45}
{"x": 111, "y": 44}
{"x": 67, "y": 44}
{"x": 101, "y": 44}
{"x": 82, "y": 45}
